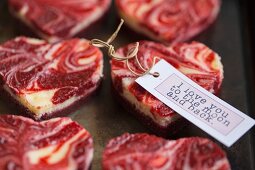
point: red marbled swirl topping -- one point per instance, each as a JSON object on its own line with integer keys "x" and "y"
{"x": 195, "y": 60}
{"x": 71, "y": 67}
{"x": 56, "y": 144}
{"x": 59, "y": 17}
{"x": 169, "y": 20}
{"x": 143, "y": 152}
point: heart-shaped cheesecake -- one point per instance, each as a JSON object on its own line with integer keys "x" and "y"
{"x": 56, "y": 144}
{"x": 195, "y": 60}
{"x": 49, "y": 79}
{"x": 56, "y": 20}
{"x": 169, "y": 20}
{"x": 144, "y": 152}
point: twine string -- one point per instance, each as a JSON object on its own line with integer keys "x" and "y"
{"x": 132, "y": 53}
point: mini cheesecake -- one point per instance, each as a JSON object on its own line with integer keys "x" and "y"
{"x": 195, "y": 60}
{"x": 46, "y": 80}
{"x": 168, "y": 21}
{"x": 56, "y": 144}
{"x": 57, "y": 19}
{"x": 143, "y": 151}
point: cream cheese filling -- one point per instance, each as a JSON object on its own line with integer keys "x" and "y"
{"x": 40, "y": 103}
{"x": 144, "y": 108}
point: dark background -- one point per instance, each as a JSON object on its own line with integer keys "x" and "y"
{"x": 232, "y": 36}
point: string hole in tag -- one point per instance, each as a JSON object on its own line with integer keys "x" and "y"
{"x": 156, "y": 74}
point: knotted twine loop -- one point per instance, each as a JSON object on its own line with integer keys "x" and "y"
{"x": 132, "y": 53}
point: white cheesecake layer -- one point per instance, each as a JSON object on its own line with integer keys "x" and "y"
{"x": 39, "y": 103}
{"x": 145, "y": 108}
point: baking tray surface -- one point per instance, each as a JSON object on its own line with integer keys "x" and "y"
{"x": 104, "y": 117}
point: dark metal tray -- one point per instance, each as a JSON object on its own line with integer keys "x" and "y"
{"x": 230, "y": 35}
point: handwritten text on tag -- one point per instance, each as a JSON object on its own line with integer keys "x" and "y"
{"x": 199, "y": 105}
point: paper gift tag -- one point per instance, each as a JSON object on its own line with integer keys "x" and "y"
{"x": 202, "y": 108}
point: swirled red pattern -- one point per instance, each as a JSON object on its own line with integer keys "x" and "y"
{"x": 56, "y": 144}
{"x": 143, "y": 151}
{"x": 59, "y": 18}
{"x": 73, "y": 68}
{"x": 169, "y": 20}
{"x": 195, "y": 60}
